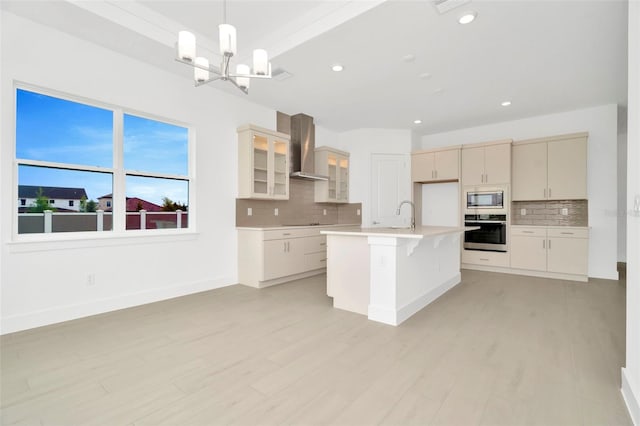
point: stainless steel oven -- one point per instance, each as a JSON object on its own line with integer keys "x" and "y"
{"x": 492, "y": 235}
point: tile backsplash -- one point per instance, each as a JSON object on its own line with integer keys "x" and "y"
{"x": 550, "y": 213}
{"x": 299, "y": 209}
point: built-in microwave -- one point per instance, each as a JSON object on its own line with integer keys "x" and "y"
{"x": 479, "y": 199}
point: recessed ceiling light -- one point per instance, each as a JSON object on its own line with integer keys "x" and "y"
{"x": 337, "y": 67}
{"x": 417, "y": 121}
{"x": 506, "y": 103}
{"x": 409, "y": 58}
{"x": 438, "y": 91}
{"x": 425, "y": 76}
{"x": 467, "y": 17}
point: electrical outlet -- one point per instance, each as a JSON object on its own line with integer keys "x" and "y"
{"x": 565, "y": 212}
{"x": 91, "y": 280}
{"x": 523, "y": 212}
{"x": 358, "y": 212}
{"x": 275, "y": 211}
{"x": 249, "y": 211}
{"x": 324, "y": 212}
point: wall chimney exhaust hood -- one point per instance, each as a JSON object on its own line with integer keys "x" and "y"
{"x": 303, "y": 143}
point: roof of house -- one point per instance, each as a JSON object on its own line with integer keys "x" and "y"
{"x": 132, "y": 204}
{"x": 51, "y": 192}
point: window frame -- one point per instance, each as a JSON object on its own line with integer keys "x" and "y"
{"x": 117, "y": 172}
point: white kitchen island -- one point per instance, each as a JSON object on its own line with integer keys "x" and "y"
{"x": 390, "y": 274}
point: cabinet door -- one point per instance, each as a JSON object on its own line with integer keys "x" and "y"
{"x": 332, "y": 183}
{"x": 280, "y": 169}
{"x": 447, "y": 164}
{"x": 567, "y": 169}
{"x": 528, "y": 253}
{"x": 529, "y": 178}
{"x": 497, "y": 164}
{"x": 568, "y": 255}
{"x": 261, "y": 161}
{"x": 278, "y": 259}
{"x": 473, "y": 166}
{"x": 423, "y": 167}
{"x": 343, "y": 179}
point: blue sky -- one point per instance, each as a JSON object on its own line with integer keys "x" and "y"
{"x": 57, "y": 130}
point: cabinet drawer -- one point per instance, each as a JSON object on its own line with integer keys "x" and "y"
{"x": 567, "y": 233}
{"x": 314, "y": 244}
{"x": 279, "y": 234}
{"x": 314, "y": 261}
{"x": 529, "y": 231}
{"x": 489, "y": 258}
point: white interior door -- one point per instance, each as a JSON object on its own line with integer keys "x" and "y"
{"x": 390, "y": 184}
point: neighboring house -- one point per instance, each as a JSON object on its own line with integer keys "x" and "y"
{"x": 133, "y": 204}
{"x": 60, "y": 198}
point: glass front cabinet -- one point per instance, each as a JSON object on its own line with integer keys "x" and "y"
{"x": 263, "y": 169}
{"x": 333, "y": 163}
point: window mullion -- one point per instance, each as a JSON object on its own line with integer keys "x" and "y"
{"x": 119, "y": 190}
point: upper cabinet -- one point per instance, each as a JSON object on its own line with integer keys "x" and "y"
{"x": 263, "y": 163}
{"x": 486, "y": 163}
{"x": 550, "y": 168}
{"x": 435, "y": 165}
{"x": 333, "y": 163}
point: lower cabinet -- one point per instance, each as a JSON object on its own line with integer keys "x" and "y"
{"x": 268, "y": 257}
{"x": 560, "y": 250}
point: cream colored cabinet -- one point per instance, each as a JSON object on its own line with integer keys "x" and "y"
{"x": 568, "y": 251}
{"x": 263, "y": 169}
{"x": 529, "y": 249}
{"x": 333, "y": 163}
{"x": 435, "y": 165}
{"x": 550, "y": 168}
{"x": 268, "y": 257}
{"x": 486, "y": 164}
{"x": 561, "y": 250}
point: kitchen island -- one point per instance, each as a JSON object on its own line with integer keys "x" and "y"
{"x": 390, "y": 274}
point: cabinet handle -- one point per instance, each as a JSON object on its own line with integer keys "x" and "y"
{"x": 549, "y": 192}
{"x": 284, "y": 246}
{"x": 323, "y": 244}
{"x": 436, "y": 174}
{"x": 567, "y": 233}
{"x": 543, "y": 243}
{"x": 486, "y": 178}
{"x": 286, "y": 233}
{"x": 527, "y": 232}
{"x": 323, "y": 260}
{"x": 549, "y": 244}
{"x": 545, "y": 193}
{"x": 485, "y": 259}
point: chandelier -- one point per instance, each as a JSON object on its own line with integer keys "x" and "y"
{"x": 204, "y": 73}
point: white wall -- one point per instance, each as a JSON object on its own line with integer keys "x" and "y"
{"x": 601, "y": 123}
{"x": 361, "y": 144}
{"x": 631, "y": 372}
{"x": 43, "y": 283}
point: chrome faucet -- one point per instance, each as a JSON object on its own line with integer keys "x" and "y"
{"x": 413, "y": 212}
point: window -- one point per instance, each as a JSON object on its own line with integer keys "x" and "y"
{"x": 65, "y": 151}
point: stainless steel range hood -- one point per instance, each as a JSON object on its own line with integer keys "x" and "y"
{"x": 303, "y": 144}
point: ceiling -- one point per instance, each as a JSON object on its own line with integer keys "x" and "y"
{"x": 402, "y": 59}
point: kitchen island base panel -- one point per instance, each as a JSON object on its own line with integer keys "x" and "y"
{"x": 391, "y": 277}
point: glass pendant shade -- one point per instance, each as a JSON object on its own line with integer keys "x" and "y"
{"x": 227, "y": 39}
{"x": 186, "y": 46}
{"x": 200, "y": 74}
{"x": 260, "y": 62}
{"x": 242, "y": 69}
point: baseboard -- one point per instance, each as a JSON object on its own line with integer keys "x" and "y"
{"x": 282, "y": 280}
{"x": 541, "y": 274}
{"x": 59, "y": 314}
{"x": 631, "y": 398}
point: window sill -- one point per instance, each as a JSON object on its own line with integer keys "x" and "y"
{"x": 77, "y": 240}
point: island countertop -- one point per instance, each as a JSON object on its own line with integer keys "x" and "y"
{"x": 418, "y": 233}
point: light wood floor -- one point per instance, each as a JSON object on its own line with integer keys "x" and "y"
{"x": 495, "y": 350}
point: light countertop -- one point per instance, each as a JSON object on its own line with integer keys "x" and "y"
{"x": 551, "y": 226}
{"x": 418, "y": 233}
